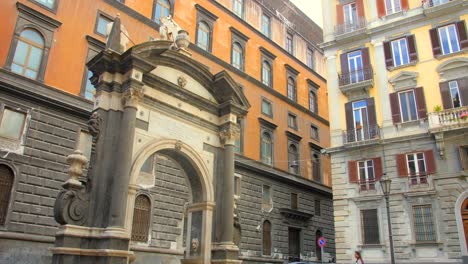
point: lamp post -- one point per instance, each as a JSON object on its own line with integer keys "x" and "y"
{"x": 385, "y": 183}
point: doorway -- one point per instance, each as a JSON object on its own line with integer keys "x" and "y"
{"x": 294, "y": 244}
{"x": 464, "y": 213}
{"x": 318, "y": 250}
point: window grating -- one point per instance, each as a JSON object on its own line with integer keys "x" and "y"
{"x": 141, "y": 218}
{"x": 370, "y": 226}
{"x": 423, "y": 224}
{"x": 6, "y": 184}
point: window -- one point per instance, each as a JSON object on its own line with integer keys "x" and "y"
{"x": 292, "y": 89}
{"x": 238, "y": 7}
{"x": 141, "y": 218}
{"x": 237, "y": 185}
{"x": 313, "y": 107}
{"x": 289, "y": 43}
{"x": 266, "y": 238}
{"x": 392, "y": 6}
{"x": 416, "y": 168}
{"x": 360, "y": 119}
{"x": 423, "y": 223}
{"x": 266, "y": 73}
{"x": 101, "y": 24}
{"x": 267, "y": 202}
{"x": 370, "y": 227}
{"x": 6, "y": 186}
{"x": 88, "y": 90}
{"x": 449, "y": 39}
{"x": 292, "y": 121}
{"x": 317, "y": 208}
{"x": 316, "y": 164}
{"x": 408, "y": 106}
{"x": 47, "y": 3}
{"x": 310, "y": 58}
{"x": 266, "y": 25}
{"x": 161, "y": 9}
{"x": 12, "y": 124}
{"x": 463, "y": 151}
{"x": 294, "y": 201}
{"x": 355, "y": 65}
{"x": 366, "y": 175}
{"x": 267, "y": 108}
{"x": 455, "y": 94}
{"x": 314, "y": 132}
{"x": 28, "y": 54}
{"x": 400, "y": 52}
{"x": 293, "y": 159}
{"x": 439, "y": 2}
{"x": 238, "y": 144}
{"x": 203, "y": 35}
{"x": 350, "y": 14}
{"x": 266, "y": 149}
{"x": 237, "y": 56}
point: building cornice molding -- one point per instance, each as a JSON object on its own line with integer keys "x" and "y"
{"x": 38, "y": 15}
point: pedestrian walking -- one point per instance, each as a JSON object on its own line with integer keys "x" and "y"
{"x": 358, "y": 257}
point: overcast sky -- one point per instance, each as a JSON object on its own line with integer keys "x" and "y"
{"x": 312, "y": 8}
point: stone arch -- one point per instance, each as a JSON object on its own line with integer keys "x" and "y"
{"x": 460, "y": 227}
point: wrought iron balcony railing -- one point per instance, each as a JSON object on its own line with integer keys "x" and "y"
{"x": 449, "y": 119}
{"x": 417, "y": 179}
{"x": 366, "y": 185}
{"x": 351, "y": 27}
{"x": 432, "y": 3}
{"x": 356, "y": 76}
{"x": 362, "y": 134}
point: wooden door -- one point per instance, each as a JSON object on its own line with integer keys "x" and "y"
{"x": 464, "y": 213}
{"x": 294, "y": 244}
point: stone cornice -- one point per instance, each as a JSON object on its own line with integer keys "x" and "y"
{"x": 206, "y": 12}
{"x": 38, "y": 15}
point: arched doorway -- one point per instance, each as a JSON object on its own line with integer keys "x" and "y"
{"x": 464, "y": 213}
{"x": 318, "y": 250}
{"x": 179, "y": 169}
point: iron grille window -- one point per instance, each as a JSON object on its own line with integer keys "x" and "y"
{"x": 317, "y": 208}
{"x": 266, "y": 238}
{"x": 6, "y": 184}
{"x": 294, "y": 201}
{"x": 267, "y": 202}
{"x": 370, "y": 226}
{"x": 141, "y": 218}
{"x": 423, "y": 223}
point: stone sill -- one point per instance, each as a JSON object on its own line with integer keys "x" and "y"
{"x": 453, "y": 54}
{"x": 378, "y": 246}
{"x": 394, "y": 68}
{"x": 425, "y": 243}
{"x": 261, "y": 259}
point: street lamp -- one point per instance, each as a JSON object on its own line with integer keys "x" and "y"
{"x": 385, "y": 183}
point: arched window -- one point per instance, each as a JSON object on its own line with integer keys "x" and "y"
{"x": 266, "y": 238}
{"x": 316, "y": 167}
{"x": 203, "y": 36}
{"x": 162, "y": 9}
{"x": 266, "y": 73}
{"x": 266, "y": 149}
{"x": 293, "y": 159}
{"x": 313, "y": 102}
{"x": 28, "y": 54}
{"x": 291, "y": 89}
{"x": 141, "y": 218}
{"x": 6, "y": 184}
{"x": 237, "y": 56}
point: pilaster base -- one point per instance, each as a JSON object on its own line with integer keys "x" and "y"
{"x": 77, "y": 244}
{"x": 225, "y": 253}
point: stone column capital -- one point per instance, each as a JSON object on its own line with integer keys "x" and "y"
{"x": 377, "y": 42}
{"x": 132, "y": 96}
{"x": 229, "y": 133}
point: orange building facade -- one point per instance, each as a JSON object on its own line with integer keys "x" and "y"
{"x": 270, "y": 48}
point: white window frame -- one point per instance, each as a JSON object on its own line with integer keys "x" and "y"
{"x": 395, "y": 6}
{"x": 399, "y": 44}
{"x": 408, "y": 105}
{"x": 444, "y": 31}
{"x": 359, "y": 134}
{"x": 420, "y": 173}
{"x": 366, "y": 175}
{"x": 350, "y": 14}
{"x": 457, "y": 89}
{"x": 355, "y": 58}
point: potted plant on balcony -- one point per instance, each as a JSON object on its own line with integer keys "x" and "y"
{"x": 464, "y": 115}
{"x": 437, "y": 108}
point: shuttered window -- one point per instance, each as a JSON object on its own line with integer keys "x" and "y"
{"x": 370, "y": 227}
{"x": 454, "y": 93}
{"x": 408, "y": 105}
{"x": 423, "y": 223}
{"x": 388, "y": 7}
{"x": 361, "y": 122}
{"x": 416, "y": 166}
{"x": 266, "y": 238}
{"x": 6, "y": 184}
{"x": 449, "y": 38}
{"x": 365, "y": 173}
{"x": 141, "y": 218}
{"x": 400, "y": 51}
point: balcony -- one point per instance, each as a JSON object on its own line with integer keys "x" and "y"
{"x": 433, "y": 8}
{"x": 351, "y": 31}
{"x": 356, "y": 81}
{"x": 366, "y": 185}
{"x": 416, "y": 180}
{"x": 362, "y": 134}
{"x": 450, "y": 119}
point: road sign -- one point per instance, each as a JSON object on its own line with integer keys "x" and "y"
{"x": 321, "y": 242}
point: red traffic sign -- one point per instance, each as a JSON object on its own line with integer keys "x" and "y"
{"x": 321, "y": 242}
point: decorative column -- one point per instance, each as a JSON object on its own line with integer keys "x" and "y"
{"x": 373, "y": 13}
{"x": 328, "y": 25}
{"x": 225, "y": 251}
{"x": 382, "y": 85}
